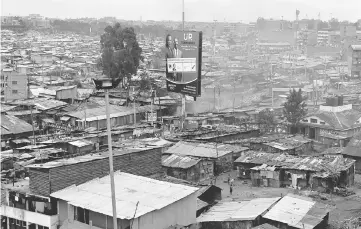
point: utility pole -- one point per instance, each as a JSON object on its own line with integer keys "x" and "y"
{"x": 151, "y": 105}
{"x": 31, "y": 110}
{"x": 111, "y": 159}
{"x": 135, "y": 114}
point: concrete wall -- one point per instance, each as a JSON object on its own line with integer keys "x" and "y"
{"x": 15, "y": 85}
{"x": 182, "y": 212}
{"x": 46, "y": 181}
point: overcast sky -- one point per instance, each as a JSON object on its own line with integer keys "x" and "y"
{"x": 195, "y": 10}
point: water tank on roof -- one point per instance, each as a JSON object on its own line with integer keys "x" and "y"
{"x": 332, "y": 101}
{"x": 340, "y": 100}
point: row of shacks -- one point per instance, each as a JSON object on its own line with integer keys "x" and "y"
{"x": 282, "y": 170}
{"x": 199, "y": 161}
{"x": 290, "y": 211}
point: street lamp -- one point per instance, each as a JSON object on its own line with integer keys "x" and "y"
{"x": 106, "y": 84}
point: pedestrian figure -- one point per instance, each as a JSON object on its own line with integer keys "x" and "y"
{"x": 229, "y": 178}
{"x": 230, "y": 189}
{"x": 231, "y": 182}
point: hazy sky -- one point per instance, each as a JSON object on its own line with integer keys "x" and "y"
{"x": 195, "y": 10}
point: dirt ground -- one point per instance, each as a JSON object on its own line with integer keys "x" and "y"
{"x": 343, "y": 207}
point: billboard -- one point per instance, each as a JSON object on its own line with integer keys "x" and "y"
{"x": 183, "y": 55}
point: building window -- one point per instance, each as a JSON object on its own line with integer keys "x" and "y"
{"x": 15, "y": 91}
{"x": 322, "y": 123}
{"x": 15, "y": 82}
{"x": 304, "y": 120}
{"x": 313, "y": 120}
{"x": 81, "y": 215}
{"x": 18, "y": 222}
{"x": 24, "y": 223}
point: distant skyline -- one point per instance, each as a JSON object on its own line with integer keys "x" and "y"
{"x": 195, "y": 10}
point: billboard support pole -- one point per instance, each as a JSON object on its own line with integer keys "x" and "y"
{"x": 183, "y": 95}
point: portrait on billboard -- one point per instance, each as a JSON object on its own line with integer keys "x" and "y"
{"x": 182, "y": 54}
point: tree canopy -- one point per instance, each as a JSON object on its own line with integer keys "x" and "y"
{"x": 294, "y": 109}
{"x": 267, "y": 119}
{"x": 121, "y": 54}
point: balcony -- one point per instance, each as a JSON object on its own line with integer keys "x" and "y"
{"x": 31, "y": 217}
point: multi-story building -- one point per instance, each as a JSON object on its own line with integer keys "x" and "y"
{"x": 354, "y": 60}
{"x": 333, "y": 124}
{"x": 14, "y": 85}
{"x": 347, "y": 31}
{"x": 273, "y": 48}
{"x": 322, "y": 37}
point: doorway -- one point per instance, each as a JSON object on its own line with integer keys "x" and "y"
{"x": 312, "y": 133}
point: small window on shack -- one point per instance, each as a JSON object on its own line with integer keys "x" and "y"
{"x": 313, "y": 120}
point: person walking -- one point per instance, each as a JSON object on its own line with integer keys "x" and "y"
{"x": 230, "y": 189}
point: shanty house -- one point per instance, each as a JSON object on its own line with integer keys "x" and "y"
{"x": 80, "y": 146}
{"x": 333, "y": 124}
{"x": 294, "y": 211}
{"x": 119, "y": 116}
{"x": 280, "y": 170}
{"x": 218, "y": 153}
{"x": 244, "y": 215}
{"x": 12, "y": 128}
{"x": 291, "y": 145}
{"x": 55, "y": 175}
{"x": 188, "y": 168}
{"x": 353, "y": 151}
{"x": 141, "y": 203}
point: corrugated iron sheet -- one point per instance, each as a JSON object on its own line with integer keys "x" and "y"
{"x": 197, "y": 150}
{"x": 297, "y": 211}
{"x": 151, "y": 194}
{"x": 328, "y": 163}
{"x": 175, "y": 161}
{"x": 237, "y": 211}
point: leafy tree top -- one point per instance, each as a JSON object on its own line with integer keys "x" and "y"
{"x": 121, "y": 54}
{"x": 294, "y": 109}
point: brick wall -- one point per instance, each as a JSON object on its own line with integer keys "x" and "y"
{"x": 46, "y": 181}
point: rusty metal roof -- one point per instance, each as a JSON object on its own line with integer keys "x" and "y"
{"x": 326, "y": 163}
{"x": 298, "y": 212}
{"x": 176, "y": 161}
{"x": 237, "y": 211}
{"x": 195, "y": 149}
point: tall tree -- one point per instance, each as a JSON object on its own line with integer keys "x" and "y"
{"x": 267, "y": 120}
{"x": 121, "y": 54}
{"x": 294, "y": 109}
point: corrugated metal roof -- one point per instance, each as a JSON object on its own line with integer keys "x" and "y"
{"x": 81, "y": 143}
{"x": 151, "y": 194}
{"x": 49, "y": 104}
{"x": 297, "y": 211}
{"x": 265, "y": 226}
{"x": 198, "y": 150}
{"x": 326, "y": 163}
{"x": 356, "y": 47}
{"x": 98, "y": 113}
{"x": 237, "y": 211}
{"x": 12, "y": 125}
{"x": 353, "y": 148}
{"x": 201, "y": 204}
{"x": 176, "y": 161}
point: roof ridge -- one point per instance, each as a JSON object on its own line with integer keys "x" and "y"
{"x": 338, "y": 120}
